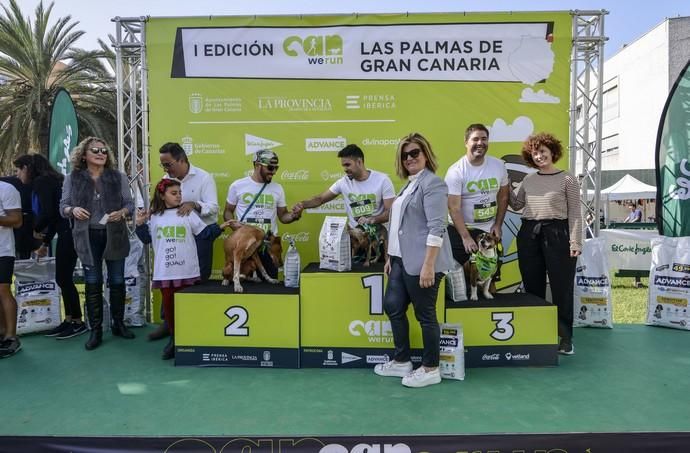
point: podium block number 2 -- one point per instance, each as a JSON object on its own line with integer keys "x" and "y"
{"x": 238, "y": 320}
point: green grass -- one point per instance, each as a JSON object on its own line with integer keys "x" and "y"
{"x": 629, "y": 303}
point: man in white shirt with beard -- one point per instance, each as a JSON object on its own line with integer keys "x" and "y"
{"x": 368, "y": 194}
{"x": 257, "y": 200}
{"x": 477, "y": 194}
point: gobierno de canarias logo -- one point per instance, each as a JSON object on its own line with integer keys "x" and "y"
{"x": 317, "y": 49}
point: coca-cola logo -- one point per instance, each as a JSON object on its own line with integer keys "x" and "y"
{"x": 302, "y": 236}
{"x": 296, "y": 175}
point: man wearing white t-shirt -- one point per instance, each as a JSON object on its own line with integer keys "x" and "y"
{"x": 477, "y": 194}
{"x": 10, "y": 217}
{"x": 368, "y": 194}
{"x": 257, "y": 200}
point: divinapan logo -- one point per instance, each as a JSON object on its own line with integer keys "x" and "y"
{"x": 317, "y": 49}
{"x": 252, "y": 144}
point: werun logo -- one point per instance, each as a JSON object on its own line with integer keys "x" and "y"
{"x": 347, "y": 358}
{"x": 318, "y": 50}
{"x": 352, "y": 102}
{"x": 252, "y": 144}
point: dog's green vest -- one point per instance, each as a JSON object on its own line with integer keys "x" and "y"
{"x": 486, "y": 266}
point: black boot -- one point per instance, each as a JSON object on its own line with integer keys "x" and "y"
{"x": 169, "y": 350}
{"x": 94, "y": 313}
{"x": 117, "y": 312}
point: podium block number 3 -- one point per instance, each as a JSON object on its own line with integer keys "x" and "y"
{"x": 504, "y": 329}
{"x": 238, "y": 320}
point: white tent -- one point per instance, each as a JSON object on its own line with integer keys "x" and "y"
{"x": 627, "y": 188}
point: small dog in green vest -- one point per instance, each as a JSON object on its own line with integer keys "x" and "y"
{"x": 482, "y": 266}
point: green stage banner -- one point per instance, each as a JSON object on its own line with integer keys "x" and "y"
{"x": 673, "y": 161}
{"x": 64, "y": 132}
{"x": 305, "y": 86}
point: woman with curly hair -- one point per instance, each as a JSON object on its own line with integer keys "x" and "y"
{"x": 550, "y": 238}
{"x": 97, "y": 199}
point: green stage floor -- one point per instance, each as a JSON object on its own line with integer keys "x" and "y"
{"x": 632, "y": 378}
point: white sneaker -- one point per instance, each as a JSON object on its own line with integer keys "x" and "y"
{"x": 422, "y": 378}
{"x": 393, "y": 368}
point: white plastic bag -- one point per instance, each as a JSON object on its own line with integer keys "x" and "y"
{"x": 37, "y": 294}
{"x": 135, "y": 310}
{"x": 456, "y": 285}
{"x": 334, "y": 245}
{"x": 292, "y": 266}
{"x": 669, "y": 283}
{"x": 592, "y": 296}
{"x": 452, "y": 353}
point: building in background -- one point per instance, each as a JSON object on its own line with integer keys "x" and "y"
{"x": 637, "y": 80}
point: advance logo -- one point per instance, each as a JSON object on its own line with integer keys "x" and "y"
{"x": 252, "y": 144}
{"x": 319, "y": 145}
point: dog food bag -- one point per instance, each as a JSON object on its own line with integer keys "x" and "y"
{"x": 456, "y": 285}
{"x": 334, "y": 245}
{"x": 135, "y": 300}
{"x": 37, "y": 294}
{"x": 292, "y": 266}
{"x": 669, "y": 283}
{"x": 452, "y": 363}
{"x": 592, "y": 296}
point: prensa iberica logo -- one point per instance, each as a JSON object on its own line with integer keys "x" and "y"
{"x": 318, "y": 50}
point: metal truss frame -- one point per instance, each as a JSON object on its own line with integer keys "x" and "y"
{"x": 586, "y": 93}
{"x": 131, "y": 76}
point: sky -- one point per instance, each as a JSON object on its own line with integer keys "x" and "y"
{"x": 627, "y": 19}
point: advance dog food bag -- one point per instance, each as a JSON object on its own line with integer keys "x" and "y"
{"x": 669, "y": 283}
{"x": 452, "y": 359}
{"x": 592, "y": 297}
{"x": 37, "y": 294}
{"x": 334, "y": 245}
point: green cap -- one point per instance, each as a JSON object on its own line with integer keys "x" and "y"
{"x": 266, "y": 157}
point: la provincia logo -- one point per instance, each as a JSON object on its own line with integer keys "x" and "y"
{"x": 252, "y": 144}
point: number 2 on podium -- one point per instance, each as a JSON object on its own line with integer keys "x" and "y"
{"x": 238, "y": 320}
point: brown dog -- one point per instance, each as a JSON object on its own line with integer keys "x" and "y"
{"x": 368, "y": 239}
{"x": 481, "y": 268}
{"x": 241, "y": 257}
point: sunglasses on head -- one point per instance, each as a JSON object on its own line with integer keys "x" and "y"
{"x": 270, "y": 167}
{"x": 413, "y": 153}
{"x": 97, "y": 150}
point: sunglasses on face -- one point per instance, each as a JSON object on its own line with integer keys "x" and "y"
{"x": 167, "y": 165}
{"x": 270, "y": 167}
{"x": 413, "y": 153}
{"x": 97, "y": 150}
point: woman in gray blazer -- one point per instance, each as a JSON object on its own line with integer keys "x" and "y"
{"x": 419, "y": 255}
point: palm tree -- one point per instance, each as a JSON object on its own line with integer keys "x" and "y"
{"x": 35, "y": 61}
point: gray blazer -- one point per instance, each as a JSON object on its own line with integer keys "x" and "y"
{"x": 424, "y": 212}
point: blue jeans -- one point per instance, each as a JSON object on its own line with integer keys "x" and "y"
{"x": 402, "y": 289}
{"x": 94, "y": 274}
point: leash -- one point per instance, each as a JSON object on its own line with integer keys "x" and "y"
{"x": 251, "y": 205}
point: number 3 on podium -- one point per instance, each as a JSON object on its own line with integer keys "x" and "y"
{"x": 504, "y": 329}
{"x": 238, "y": 320}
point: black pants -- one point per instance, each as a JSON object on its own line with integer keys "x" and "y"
{"x": 544, "y": 249}
{"x": 65, "y": 262}
{"x": 402, "y": 289}
{"x": 456, "y": 245}
{"x": 204, "y": 249}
